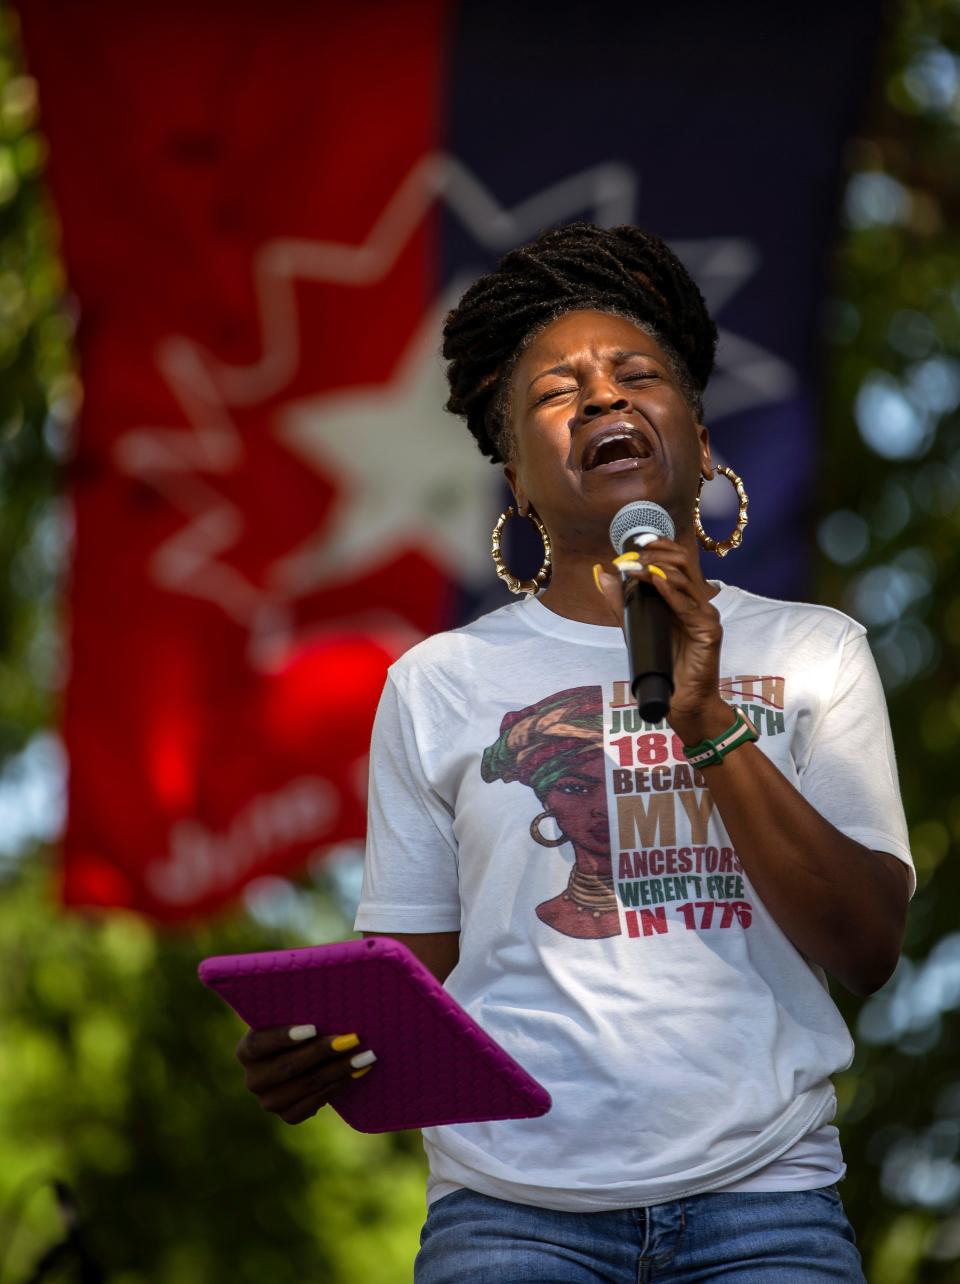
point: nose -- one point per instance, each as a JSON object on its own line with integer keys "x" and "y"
{"x": 600, "y": 396}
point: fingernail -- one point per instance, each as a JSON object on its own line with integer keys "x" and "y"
{"x": 358, "y": 1074}
{"x": 363, "y": 1059}
{"x": 596, "y": 577}
{"x": 344, "y": 1042}
{"x": 655, "y": 570}
{"x": 626, "y": 557}
{"x": 301, "y": 1032}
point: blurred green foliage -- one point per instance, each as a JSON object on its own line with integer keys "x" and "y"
{"x": 889, "y": 529}
{"x": 117, "y": 1074}
{"x": 38, "y": 397}
{"x": 116, "y": 1067}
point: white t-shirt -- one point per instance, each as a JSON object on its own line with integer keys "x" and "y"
{"x": 610, "y": 939}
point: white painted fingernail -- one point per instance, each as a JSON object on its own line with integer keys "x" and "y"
{"x": 363, "y": 1059}
{"x": 300, "y": 1032}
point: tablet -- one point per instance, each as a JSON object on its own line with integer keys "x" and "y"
{"x": 435, "y": 1065}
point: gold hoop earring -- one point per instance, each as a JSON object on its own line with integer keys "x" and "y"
{"x": 539, "y": 838}
{"x": 542, "y": 576}
{"x": 722, "y": 546}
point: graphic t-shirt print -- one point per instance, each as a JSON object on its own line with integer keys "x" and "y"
{"x": 556, "y": 747}
{"x": 673, "y": 869}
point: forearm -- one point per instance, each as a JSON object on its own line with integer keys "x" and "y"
{"x": 842, "y": 905}
{"x": 439, "y": 952}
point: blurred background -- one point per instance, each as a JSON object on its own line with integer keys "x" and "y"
{"x": 230, "y": 497}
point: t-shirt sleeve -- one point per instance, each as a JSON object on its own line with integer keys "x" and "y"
{"x": 850, "y": 771}
{"x": 410, "y": 878}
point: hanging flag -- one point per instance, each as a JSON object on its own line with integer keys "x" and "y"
{"x": 265, "y": 216}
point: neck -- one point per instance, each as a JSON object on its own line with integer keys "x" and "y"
{"x": 573, "y": 593}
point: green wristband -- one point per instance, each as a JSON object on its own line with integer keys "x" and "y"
{"x": 709, "y": 752}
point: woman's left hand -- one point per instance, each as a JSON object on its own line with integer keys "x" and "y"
{"x": 696, "y": 709}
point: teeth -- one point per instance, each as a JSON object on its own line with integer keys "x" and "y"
{"x": 642, "y": 450}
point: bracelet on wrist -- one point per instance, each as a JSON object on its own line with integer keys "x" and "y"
{"x": 711, "y": 751}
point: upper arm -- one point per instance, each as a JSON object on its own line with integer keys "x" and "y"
{"x": 848, "y": 773}
{"x": 439, "y": 952}
{"x": 410, "y": 876}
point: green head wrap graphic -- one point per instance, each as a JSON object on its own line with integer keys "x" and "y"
{"x": 543, "y": 743}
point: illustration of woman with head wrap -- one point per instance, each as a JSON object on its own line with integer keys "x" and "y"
{"x": 556, "y": 747}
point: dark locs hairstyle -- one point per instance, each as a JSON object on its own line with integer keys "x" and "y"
{"x": 619, "y": 270}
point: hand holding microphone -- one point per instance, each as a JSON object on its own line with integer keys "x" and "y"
{"x": 672, "y": 629}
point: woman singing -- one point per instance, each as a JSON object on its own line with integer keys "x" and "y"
{"x": 661, "y": 971}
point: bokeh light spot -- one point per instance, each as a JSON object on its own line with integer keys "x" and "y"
{"x": 874, "y": 199}
{"x": 890, "y": 423}
{"x": 844, "y": 536}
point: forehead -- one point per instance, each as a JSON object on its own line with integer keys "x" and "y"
{"x": 589, "y": 767}
{"x": 583, "y": 335}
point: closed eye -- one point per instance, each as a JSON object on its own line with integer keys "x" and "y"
{"x": 634, "y": 377}
{"x": 553, "y": 392}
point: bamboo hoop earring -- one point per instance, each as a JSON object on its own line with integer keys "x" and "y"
{"x": 722, "y": 546}
{"x": 539, "y": 838}
{"x": 542, "y": 576}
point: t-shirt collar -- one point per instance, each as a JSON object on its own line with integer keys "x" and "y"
{"x": 543, "y": 620}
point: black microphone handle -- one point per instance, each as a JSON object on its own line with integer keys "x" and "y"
{"x": 648, "y": 624}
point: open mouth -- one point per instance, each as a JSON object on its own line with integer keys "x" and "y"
{"x": 621, "y": 447}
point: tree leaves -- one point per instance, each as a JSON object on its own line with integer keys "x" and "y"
{"x": 890, "y": 529}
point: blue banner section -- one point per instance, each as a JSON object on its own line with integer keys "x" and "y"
{"x": 719, "y": 128}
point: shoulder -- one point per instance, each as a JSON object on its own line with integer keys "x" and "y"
{"x": 743, "y": 610}
{"x": 459, "y": 654}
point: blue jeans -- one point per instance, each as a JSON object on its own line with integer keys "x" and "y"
{"x": 786, "y": 1237}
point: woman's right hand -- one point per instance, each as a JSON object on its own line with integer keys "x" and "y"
{"x": 293, "y": 1072}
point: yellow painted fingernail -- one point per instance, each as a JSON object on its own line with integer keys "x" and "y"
{"x": 626, "y": 557}
{"x": 596, "y": 577}
{"x": 655, "y": 570}
{"x": 344, "y": 1042}
{"x": 358, "y": 1074}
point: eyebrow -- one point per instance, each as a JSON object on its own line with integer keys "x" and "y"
{"x": 617, "y": 358}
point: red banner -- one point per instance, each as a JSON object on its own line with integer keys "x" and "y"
{"x": 246, "y": 196}
{"x": 270, "y": 503}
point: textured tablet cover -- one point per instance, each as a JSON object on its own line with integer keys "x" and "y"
{"x": 435, "y": 1065}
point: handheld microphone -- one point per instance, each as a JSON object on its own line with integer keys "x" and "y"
{"x": 647, "y": 619}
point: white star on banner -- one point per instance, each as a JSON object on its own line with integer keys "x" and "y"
{"x": 746, "y": 374}
{"x": 410, "y": 476}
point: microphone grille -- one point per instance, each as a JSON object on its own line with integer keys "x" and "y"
{"x": 642, "y": 517}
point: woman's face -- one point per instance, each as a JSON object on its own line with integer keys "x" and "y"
{"x": 579, "y": 802}
{"x": 598, "y": 419}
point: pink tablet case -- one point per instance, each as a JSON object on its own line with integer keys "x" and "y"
{"x": 435, "y": 1065}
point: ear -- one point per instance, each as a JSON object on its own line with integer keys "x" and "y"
{"x": 519, "y": 495}
{"x": 706, "y": 460}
